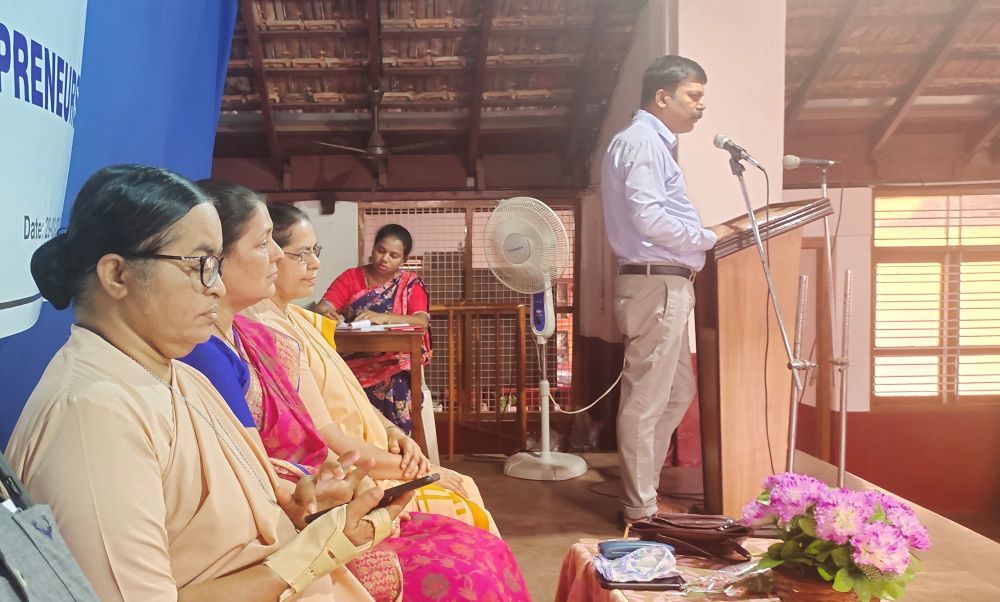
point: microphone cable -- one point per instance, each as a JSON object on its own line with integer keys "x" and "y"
{"x": 767, "y": 322}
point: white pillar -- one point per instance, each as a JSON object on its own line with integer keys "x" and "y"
{"x": 741, "y": 45}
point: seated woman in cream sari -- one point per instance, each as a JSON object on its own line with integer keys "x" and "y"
{"x": 256, "y": 368}
{"x": 157, "y": 490}
{"x": 328, "y": 381}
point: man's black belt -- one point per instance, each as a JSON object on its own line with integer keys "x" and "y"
{"x": 646, "y": 269}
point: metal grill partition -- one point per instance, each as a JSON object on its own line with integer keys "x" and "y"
{"x": 471, "y": 322}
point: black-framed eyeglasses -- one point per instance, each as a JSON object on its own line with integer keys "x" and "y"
{"x": 306, "y": 255}
{"x": 209, "y": 266}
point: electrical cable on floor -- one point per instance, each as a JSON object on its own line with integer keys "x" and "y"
{"x": 555, "y": 404}
{"x": 485, "y": 458}
{"x": 595, "y": 402}
{"x": 591, "y": 488}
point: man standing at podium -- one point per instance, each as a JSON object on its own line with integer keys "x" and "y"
{"x": 660, "y": 243}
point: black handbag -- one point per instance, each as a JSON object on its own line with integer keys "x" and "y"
{"x": 35, "y": 564}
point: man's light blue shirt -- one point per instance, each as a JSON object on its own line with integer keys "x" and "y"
{"x": 647, "y": 214}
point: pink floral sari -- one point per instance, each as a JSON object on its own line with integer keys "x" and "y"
{"x": 287, "y": 430}
{"x": 434, "y": 557}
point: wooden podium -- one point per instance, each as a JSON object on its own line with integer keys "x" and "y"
{"x": 742, "y": 407}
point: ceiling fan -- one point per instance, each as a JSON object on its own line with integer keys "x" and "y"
{"x": 376, "y": 150}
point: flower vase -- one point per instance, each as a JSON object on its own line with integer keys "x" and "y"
{"x": 793, "y": 586}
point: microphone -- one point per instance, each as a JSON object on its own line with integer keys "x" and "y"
{"x": 738, "y": 152}
{"x": 793, "y": 162}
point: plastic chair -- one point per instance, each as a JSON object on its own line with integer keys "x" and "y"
{"x": 427, "y": 416}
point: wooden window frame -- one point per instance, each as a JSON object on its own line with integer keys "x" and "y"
{"x": 949, "y": 257}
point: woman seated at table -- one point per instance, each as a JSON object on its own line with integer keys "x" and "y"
{"x": 326, "y": 379}
{"x": 157, "y": 490}
{"x": 380, "y": 292}
{"x": 256, "y": 367}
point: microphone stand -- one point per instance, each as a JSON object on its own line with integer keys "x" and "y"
{"x": 842, "y": 362}
{"x": 795, "y": 364}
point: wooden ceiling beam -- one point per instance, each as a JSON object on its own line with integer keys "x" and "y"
{"x": 374, "y": 50}
{"x": 478, "y": 81}
{"x": 861, "y": 55}
{"x": 443, "y": 196}
{"x": 585, "y": 81}
{"x": 881, "y": 89}
{"x": 918, "y": 159}
{"x": 982, "y": 140}
{"x": 936, "y": 55}
{"x": 842, "y": 26}
{"x": 257, "y": 58}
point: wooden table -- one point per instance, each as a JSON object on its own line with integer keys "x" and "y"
{"x": 393, "y": 341}
{"x": 961, "y": 564}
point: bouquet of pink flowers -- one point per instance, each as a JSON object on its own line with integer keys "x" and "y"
{"x": 858, "y": 541}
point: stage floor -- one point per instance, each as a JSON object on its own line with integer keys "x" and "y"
{"x": 541, "y": 520}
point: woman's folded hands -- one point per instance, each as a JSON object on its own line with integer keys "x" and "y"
{"x": 333, "y": 539}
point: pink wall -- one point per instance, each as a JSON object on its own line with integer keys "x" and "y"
{"x": 744, "y": 56}
{"x": 945, "y": 460}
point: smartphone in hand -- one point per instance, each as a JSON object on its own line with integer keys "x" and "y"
{"x": 390, "y": 494}
{"x": 394, "y": 492}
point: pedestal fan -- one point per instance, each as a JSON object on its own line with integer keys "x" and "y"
{"x": 527, "y": 249}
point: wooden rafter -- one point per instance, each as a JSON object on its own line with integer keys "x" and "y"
{"x": 842, "y": 26}
{"x": 991, "y": 129}
{"x": 938, "y": 53}
{"x": 588, "y": 72}
{"x": 374, "y": 50}
{"x": 373, "y": 15}
{"x": 478, "y": 81}
{"x": 257, "y": 58}
{"x": 432, "y": 197}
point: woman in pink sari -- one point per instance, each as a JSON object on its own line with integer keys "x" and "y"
{"x": 380, "y": 292}
{"x": 433, "y": 557}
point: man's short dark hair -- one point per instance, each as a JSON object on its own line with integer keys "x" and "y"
{"x": 668, "y": 72}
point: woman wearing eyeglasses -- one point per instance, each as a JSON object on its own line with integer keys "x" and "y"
{"x": 156, "y": 488}
{"x": 434, "y": 557}
{"x": 381, "y": 292}
{"x": 325, "y": 378}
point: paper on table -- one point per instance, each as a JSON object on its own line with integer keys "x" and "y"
{"x": 359, "y": 325}
{"x": 367, "y": 326}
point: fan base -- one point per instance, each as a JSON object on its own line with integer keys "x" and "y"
{"x": 553, "y": 466}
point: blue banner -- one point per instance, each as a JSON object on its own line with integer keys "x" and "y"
{"x": 148, "y": 91}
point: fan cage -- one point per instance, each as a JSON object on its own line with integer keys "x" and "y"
{"x": 538, "y": 225}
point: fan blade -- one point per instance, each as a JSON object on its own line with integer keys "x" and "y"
{"x": 342, "y": 147}
{"x": 417, "y": 146}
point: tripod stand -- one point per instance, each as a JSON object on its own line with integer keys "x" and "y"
{"x": 795, "y": 363}
{"x": 841, "y": 362}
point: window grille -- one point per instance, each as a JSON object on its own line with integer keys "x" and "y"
{"x": 936, "y": 291}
